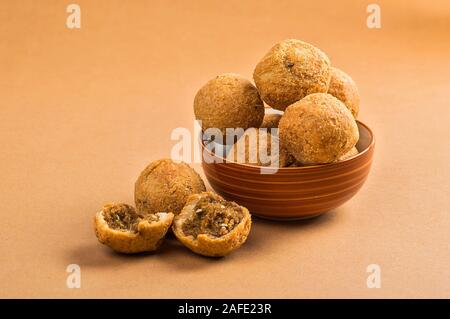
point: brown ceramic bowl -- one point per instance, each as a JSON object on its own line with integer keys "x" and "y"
{"x": 292, "y": 192}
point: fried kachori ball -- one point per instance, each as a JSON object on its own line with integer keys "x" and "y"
{"x": 259, "y": 147}
{"x": 228, "y": 101}
{"x": 344, "y": 88}
{"x": 164, "y": 186}
{"x": 291, "y": 70}
{"x": 212, "y": 226}
{"x": 121, "y": 228}
{"x": 318, "y": 129}
{"x": 271, "y": 120}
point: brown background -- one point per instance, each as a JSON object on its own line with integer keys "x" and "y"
{"x": 83, "y": 111}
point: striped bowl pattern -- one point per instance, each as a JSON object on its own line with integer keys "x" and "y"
{"x": 292, "y": 192}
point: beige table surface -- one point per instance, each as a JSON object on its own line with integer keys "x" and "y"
{"x": 82, "y": 112}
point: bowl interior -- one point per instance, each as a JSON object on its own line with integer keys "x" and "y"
{"x": 365, "y": 137}
{"x": 219, "y": 151}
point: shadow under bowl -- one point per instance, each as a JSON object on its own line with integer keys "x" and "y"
{"x": 291, "y": 192}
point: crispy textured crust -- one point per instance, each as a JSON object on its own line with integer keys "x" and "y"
{"x": 244, "y": 150}
{"x": 164, "y": 186}
{"x": 149, "y": 236}
{"x": 318, "y": 129}
{"x": 344, "y": 88}
{"x": 228, "y": 101}
{"x": 291, "y": 70}
{"x": 271, "y": 121}
{"x": 207, "y": 245}
{"x": 349, "y": 154}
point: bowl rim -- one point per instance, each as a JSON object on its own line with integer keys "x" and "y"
{"x": 298, "y": 168}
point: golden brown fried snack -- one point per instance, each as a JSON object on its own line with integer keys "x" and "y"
{"x": 344, "y": 88}
{"x": 164, "y": 186}
{"x": 291, "y": 70}
{"x": 349, "y": 154}
{"x": 119, "y": 227}
{"x": 318, "y": 129}
{"x": 212, "y": 226}
{"x": 271, "y": 121}
{"x": 228, "y": 101}
{"x": 255, "y": 147}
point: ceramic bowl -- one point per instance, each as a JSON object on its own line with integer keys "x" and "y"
{"x": 291, "y": 192}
